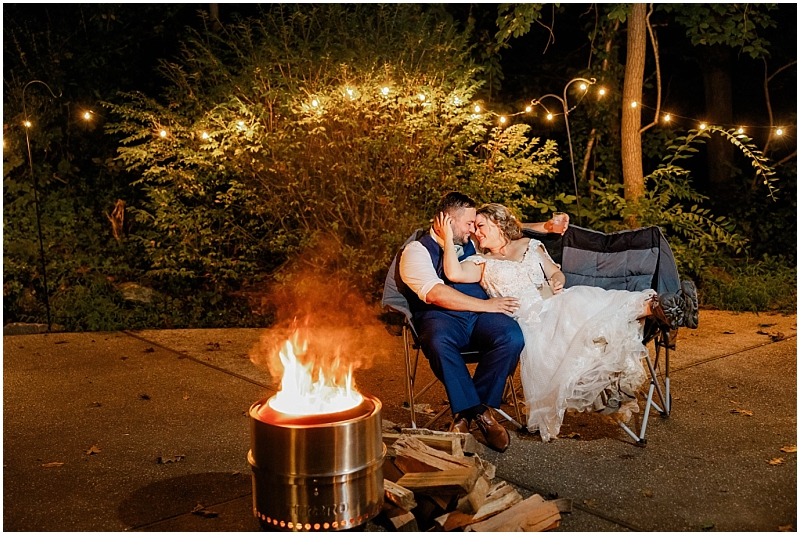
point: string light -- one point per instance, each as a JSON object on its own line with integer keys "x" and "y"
{"x": 740, "y": 131}
{"x": 87, "y": 115}
{"x": 502, "y": 120}
{"x": 583, "y": 87}
{"x": 667, "y": 118}
{"x": 703, "y": 126}
{"x": 602, "y": 91}
{"x": 528, "y": 109}
{"x": 204, "y": 135}
{"x": 385, "y": 90}
{"x": 163, "y": 133}
{"x": 779, "y": 132}
{"x": 422, "y": 97}
{"x": 633, "y": 104}
{"x": 549, "y": 116}
{"x": 27, "y": 124}
{"x": 350, "y": 93}
{"x": 477, "y": 109}
{"x": 314, "y": 103}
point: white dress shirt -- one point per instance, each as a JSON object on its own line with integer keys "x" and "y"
{"x": 416, "y": 267}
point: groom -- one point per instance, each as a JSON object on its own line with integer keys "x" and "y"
{"x": 454, "y": 317}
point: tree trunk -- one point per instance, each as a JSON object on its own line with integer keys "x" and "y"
{"x": 719, "y": 111}
{"x": 632, "y": 173}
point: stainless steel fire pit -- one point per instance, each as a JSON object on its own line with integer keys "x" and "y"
{"x": 316, "y": 473}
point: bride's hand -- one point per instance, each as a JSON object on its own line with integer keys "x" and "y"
{"x": 503, "y": 305}
{"x": 442, "y": 227}
{"x": 557, "y": 285}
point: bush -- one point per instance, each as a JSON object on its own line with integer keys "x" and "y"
{"x": 750, "y": 285}
{"x": 315, "y": 136}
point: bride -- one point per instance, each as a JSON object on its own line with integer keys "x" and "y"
{"x": 578, "y": 341}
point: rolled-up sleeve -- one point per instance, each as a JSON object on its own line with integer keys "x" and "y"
{"x": 416, "y": 270}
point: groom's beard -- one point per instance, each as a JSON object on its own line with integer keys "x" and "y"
{"x": 460, "y": 240}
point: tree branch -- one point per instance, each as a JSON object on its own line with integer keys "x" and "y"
{"x": 654, "y": 41}
{"x": 786, "y": 159}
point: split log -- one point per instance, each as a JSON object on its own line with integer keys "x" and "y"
{"x": 448, "y": 444}
{"x": 399, "y": 519}
{"x": 456, "y": 481}
{"x": 469, "y": 444}
{"x": 472, "y": 502}
{"x": 400, "y": 496}
{"x": 488, "y": 468}
{"x": 453, "y": 520}
{"x": 500, "y": 497}
{"x": 414, "y": 456}
{"x": 533, "y": 514}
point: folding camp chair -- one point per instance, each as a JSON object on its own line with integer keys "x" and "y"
{"x": 396, "y": 302}
{"x": 633, "y": 260}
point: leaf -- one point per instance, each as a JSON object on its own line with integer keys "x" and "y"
{"x": 53, "y": 464}
{"x": 202, "y": 511}
{"x": 172, "y": 459}
{"x": 707, "y": 525}
{"x": 149, "y": 350}
{"x": 647, "y": 493}
{"x": 743, "y": 412}
{"x": 185, "y": 398}
{"x": 93, "y": 450}
{"x": 590, "y": 503}
{"x": 789, "y": 449}
{"x": 776, "y": 461}
{"x": 144, "y": 397}
{"x": 787, "y": 527}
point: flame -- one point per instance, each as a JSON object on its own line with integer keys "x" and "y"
{"x": 301, "y": 395}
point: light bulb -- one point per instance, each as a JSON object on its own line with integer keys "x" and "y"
{"x": 350, "y": 92}
{"x": 549, "y": 116}
{"x": 163, "y": 133}
{"x": 528, "y": 109}
{"x": 27, "y": 124}
{"x": 633, "y": 104}
{"x": 740, "y": 131}
{"x": 703, "y": 126}
{"x": 502, "y": 120}
{"x": 602, "y": 91}
{"x": 204, "y": 135}
{"x": 87, "y": 115}
{"x": 779, "y": 132}
{"x": 240, "y": 123}
{"x": 583, "y": 87}
{"x": 477, "y": 109}
{"x": 385, "y": 90}
{"x": 314, "y": 103}
{"x": 422, "y": 97}
{"x": 457, "y": 101}
{"x": 667, "y": 118}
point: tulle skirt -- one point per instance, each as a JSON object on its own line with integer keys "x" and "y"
{"x": 577, "y": 343}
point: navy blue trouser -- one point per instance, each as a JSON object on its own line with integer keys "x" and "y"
{"x": 497, "y": 338}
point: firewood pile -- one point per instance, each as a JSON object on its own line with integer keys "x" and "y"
{"x": 437, "y": 481}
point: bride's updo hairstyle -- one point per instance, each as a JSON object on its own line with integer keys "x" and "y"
{"x": 501, "y": 215}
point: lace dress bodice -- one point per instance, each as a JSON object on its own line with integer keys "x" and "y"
{"x": 506, "y": 278}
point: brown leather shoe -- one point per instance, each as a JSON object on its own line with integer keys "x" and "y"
{"x": 459, "y": 425}
{"x": 496, "y": 435}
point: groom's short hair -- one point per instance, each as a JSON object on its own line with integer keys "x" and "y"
{"x": 453, "y": 202}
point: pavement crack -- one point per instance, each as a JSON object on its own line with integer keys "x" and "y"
{"x": 179, "y": 515}
{"x": 710, "y": 359}
{"x": 198, "y": 361}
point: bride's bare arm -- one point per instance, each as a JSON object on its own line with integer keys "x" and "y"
{"x": 456, "y": 271}
{"x": 556, "y": 276}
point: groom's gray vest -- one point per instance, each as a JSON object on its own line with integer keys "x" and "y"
{"x": 472, "y": 289}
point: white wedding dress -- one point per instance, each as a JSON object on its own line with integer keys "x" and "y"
{"x": 577, "y": 343}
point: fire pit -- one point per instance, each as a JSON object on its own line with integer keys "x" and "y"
{"x": 315, "y": 471}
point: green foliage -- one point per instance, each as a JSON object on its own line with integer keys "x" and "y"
{"x": 750, "y": 284}
{"x": 734, "y": 25}
{"x": 331, "y": 133}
